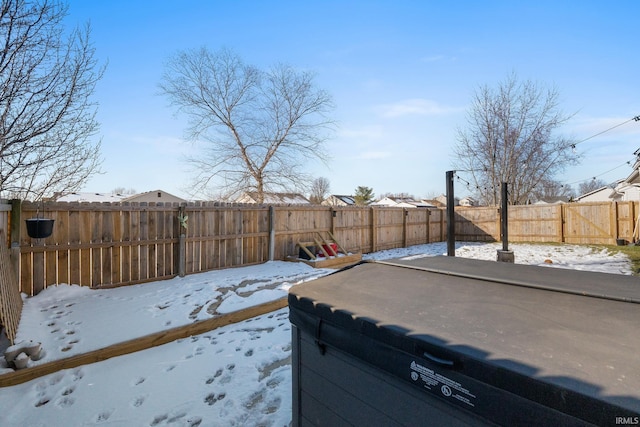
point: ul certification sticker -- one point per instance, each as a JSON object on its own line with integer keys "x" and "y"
{"x": 445, "y": 390}
{"x": 434, "y": 381}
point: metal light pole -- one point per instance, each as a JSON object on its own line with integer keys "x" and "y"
{"x": 505, "y": 255}
{"x": 451, "y": 220}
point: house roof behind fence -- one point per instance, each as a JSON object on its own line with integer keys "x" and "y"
{"x": 274, "y": 198}
{"x": 336, "y": 199}
{"x": 92, "y": 197}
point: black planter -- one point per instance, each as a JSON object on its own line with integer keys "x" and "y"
{"x": 39, "y": 228}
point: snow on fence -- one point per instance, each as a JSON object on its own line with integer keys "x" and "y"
{"x": 111, "y": 244}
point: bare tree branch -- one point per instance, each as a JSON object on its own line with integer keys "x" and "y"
{"x": 47, "y": 118}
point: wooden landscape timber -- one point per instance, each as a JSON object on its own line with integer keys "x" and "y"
{"x": 140, "y": 343}
{"x": 332, "y": 262}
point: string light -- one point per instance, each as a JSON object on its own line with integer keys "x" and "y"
{"x": 636, "y": 118}
{"x": 597, "y": 176}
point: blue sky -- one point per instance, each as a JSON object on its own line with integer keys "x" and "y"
{"x": 402, "y": 74}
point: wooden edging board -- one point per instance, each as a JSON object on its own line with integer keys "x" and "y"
{"x": 141, "y": 343}
{"x": 331, "y": 262}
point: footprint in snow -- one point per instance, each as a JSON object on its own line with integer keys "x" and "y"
{"x": 78, "y": 374}
{"x": 42, "y": 401}
{"x": 272, "y": 406}
{"x": 210, "y": 380}
{"x": 138, "y": 381}
{"x": 138, "y": 401}
{"x": 56, "y": 379}
{"x": 212, "y": 398}
{"x": 67, "y": 391}
{"x": 65, "y": 402}
{"x": 171, "y": 419}
{"x": 104, "y": 415}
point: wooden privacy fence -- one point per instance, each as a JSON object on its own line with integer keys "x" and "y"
{"x": 10, "y": 299}
{"x": 577, "y": 223}
{"x": 5, "y": 214}
{"x": 111, "y": 244}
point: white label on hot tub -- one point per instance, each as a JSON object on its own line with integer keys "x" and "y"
{"x": 433, "y": 380}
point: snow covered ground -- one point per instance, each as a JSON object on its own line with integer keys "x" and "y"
{"x": 237, "y": 375}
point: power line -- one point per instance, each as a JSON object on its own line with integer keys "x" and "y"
{"x": 636, "y": 119}
{"x": 603, "y": 173}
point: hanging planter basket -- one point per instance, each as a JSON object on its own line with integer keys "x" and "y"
{"x": 39, "y": 228}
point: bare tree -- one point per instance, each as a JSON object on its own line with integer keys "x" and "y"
{"x": 549, "y": 190}
{"x": 591, "y": 185}
{"x": 320, "y": 188}
{"x": 47, "y": 118}
{"x": 510, "y": 137}
{"x": 259, "y": 127}
{"x": 123, "y": 190}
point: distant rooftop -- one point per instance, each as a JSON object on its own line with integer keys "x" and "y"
{"x": 93, "y": 197}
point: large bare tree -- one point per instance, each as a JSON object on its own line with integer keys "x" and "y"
{"x": 511, "y": 137}
{"x": 47, "y": 117}
{"x": 259, "y": 128}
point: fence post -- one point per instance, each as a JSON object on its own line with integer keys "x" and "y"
{"x": 428, "y": 225}
{"x": 272, "y": 232}
{"x": 405, "y": 215}
{"x": 374, "y": 219}
{"x": 614, "y": 227}
{"x": 333, "y": 214}
{"x": 14, "y": 234}
{"x": 182, "y": 253}
{"x": 633, "y": 222}
{"x": 562, "y": 231}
